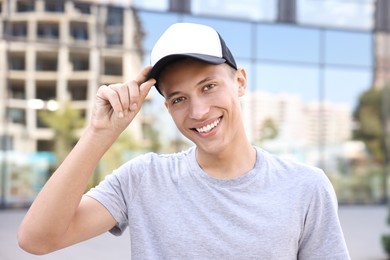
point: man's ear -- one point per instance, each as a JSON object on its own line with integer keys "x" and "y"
{"x": 241, "y": 80}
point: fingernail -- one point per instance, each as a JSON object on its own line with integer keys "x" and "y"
{"x": 133, "y": 107}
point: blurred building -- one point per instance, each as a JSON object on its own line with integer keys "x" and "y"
{"x": 382, "y": 44}
{"x": 54, "y": 51}
{"x": 296, "y": 121}
{"x": 285, "y": 111}
{"x": 335, "y": 127}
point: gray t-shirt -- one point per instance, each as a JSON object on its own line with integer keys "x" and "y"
{"x": 174, "y": 210}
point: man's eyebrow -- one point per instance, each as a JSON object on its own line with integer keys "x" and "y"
{"x": 170, "y": 95}
{"x": 204, "y": 81}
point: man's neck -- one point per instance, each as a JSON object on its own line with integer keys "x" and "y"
{"x": 228, "y": 164}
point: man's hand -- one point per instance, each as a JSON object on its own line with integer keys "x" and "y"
{"x": 117, "y": 104}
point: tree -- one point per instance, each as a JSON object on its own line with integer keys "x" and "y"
{"x": 115, "y": 155}
{"x": 153, "y": 136}
{"x": 370, "y": 114}
{"x": 268, "y": 130}
{"x": 64, "y": 122}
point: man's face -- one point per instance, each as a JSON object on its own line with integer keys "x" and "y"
{"x": 203, "y": 100}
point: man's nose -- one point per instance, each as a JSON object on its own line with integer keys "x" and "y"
{"x": 198, "y": 109}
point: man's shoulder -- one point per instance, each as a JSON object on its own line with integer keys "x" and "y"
{"x": 290, "y": 167}
{"x": 157, "y": 162}
{"x": 288, "y": 173}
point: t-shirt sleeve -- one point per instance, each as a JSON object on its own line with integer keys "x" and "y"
{"x": 116, "y": 191}
{"x": 322, "y": 236}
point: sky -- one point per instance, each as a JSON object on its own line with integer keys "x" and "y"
{"x": 354, "y": 13}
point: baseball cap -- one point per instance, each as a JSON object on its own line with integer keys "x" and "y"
{"x": 182, "y": 40}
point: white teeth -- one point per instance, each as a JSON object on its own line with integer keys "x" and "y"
{"x": 208, "y": 128}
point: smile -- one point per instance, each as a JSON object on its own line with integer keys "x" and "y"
{"x": 209, "y": 127}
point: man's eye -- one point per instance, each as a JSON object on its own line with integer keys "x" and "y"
{"x": 208, "y": 87}
{"x": 177, "y": 100}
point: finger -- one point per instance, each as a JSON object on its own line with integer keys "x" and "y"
{"x": 109, "y": 95}
{"x": 123, "y": 93}
{"x": 145, "y": 88}
{"x": 134, "y": 95}
{"x": 133, "y": 88}
{"x": 143, "y": 75}
{"x": 139, "y": 93}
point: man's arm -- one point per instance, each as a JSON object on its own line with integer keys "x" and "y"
{"x": 322, "y": 236}
{"x": 60, "y": 216}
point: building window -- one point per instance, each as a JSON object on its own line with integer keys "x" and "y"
{"x": 17, "y": 89}
{"x": 115, "y": 16}
{"x": 114, "y": 37}
{"x": 271, "y": 39}
{"x": 78, "y": 90}
{"x": 79, "y": 31}
{"x": 46, "y": 90}
{"x": 80, "y": 62}
{"x": 253, "y": 10}
{"x": 6, "y": 143}
{"x": 338, "y": 45}
{"x": 83, "y": 8}
{"x": 57, "y": 6}
{"x": 48, "y": 30}
{"x": 114, "y": 28}
{"x": 335, "y": 13}
{"x": 46, "y": 63}
{"x": 17, "y": 115}
{"x": 242, "y": 30}
{"x": 113, "y": 67}
{"x": 19, "y": 29}
{"x": 25, "y": 6}
{"x": 17, "y": 62}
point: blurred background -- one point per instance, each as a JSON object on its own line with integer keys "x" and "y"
{"x": 318, "y": 88}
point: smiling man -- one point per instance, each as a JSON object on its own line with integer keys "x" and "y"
{"x": 221, "y": 199}
{"x": 203, "y": 100}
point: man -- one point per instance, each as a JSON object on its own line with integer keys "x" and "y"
{"x": 222, "y": 199}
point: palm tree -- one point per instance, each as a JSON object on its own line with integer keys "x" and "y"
{"x": 64, "y": 122}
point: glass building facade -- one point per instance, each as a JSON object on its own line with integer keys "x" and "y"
{"x": 308, "y": 62}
